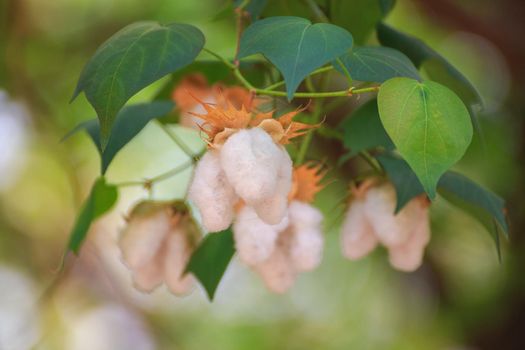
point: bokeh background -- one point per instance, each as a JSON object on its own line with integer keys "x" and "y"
{"x": 461, "y": 298}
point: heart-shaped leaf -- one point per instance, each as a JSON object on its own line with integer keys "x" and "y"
{"x": 130, "y": 60}
{"x": 377, "y": 64}
{"x": 101, "y": 199}
{"x": 485, "y": 206}
{"x": 363, "y": 130}
{"x": 436, "y": 66}
{"x": 294, "y": 45}
{"x": 405, "y": 181}
{"x": 429, "y": 125}
{"x": 128, "y": 123}
{"x": 210, "y": 260}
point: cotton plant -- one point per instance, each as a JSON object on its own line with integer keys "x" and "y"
{"x": 371, "y": 220}
{"x": 248, "y": 184}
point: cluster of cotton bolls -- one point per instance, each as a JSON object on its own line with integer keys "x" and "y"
{"x": 157, "y": 244}
{"x": 371, "y": 220}
{"x": 246, "y": 162}
{"x": 279, "y": 252}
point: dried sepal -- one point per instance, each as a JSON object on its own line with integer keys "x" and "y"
{"x": 306, "y": 182}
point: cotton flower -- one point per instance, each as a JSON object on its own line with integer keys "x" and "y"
{"x": 246, "y": 162}
{"x": 370, "y": 220}
{"x": 157, "y": 244}
{"x": 279, "y": 252}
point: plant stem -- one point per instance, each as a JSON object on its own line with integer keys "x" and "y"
{"x": 345, "y": 71}
{"x": 371, "y": 161}
{"x": 341, "y": 93}
{"x": 319, "y": 15}
{"x": 177, "y": 141}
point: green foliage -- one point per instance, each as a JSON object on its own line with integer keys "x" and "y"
{"x": 254, "y": 7}
{"x": 377, "y": 64}
{"x": 457, "y": 187}
{"x": 436, "y": 66}
{"x": 101, "y": 199}
{"x": 209, "y": 262}
{"x": 294, "y": 45}
{"x": 363, "y": 130}
{"x": 130, "y": 60}
{"x": 429, "y": 125}
{"x": 405, "y": 181}
{"x": 128, "y": 123}
{"x": 359, "y": 17}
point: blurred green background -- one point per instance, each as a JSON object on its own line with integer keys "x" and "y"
{"x": 461, "y": 298}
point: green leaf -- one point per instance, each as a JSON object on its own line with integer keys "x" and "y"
{"x": 128, "y": 123}
{"x": 210, "y": 260}
{"x": 437, "y": 67}
{"x": 101, "y": 199}
{"x": 476, "y": 195}
{"x": 363, "y": 130}
{"x": 130, "y": 60}
{"x": 377, "y": 64}
{"x": 294, "y": 45}
{"x": 405, "y": 181}
{"x": 429, "y": 125}
{"x": 359, "y": 17}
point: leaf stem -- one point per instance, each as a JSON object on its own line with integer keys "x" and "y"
{"x": 317, "y": 12}
{"x": 269, "y": 92}
{"x": 345, "y": 70}
{"x": 371, "y": 161}
{"x": 187, "y": 150}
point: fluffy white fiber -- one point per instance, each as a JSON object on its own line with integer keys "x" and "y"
{"x": 212, "y": 193}
{"x": 277, "y": 272}
{"x": 156, "y": 248}
{"x": 306, "y": 248}
{"x": 251, "y": 161}
{"x": 255, "y": 239}
{"x": 274, "y": 208}
{"x": 371, "y": 219}
{"x": 357, "y": 236}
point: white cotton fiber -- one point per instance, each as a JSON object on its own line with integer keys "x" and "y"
{"x": 357, "y": 235}
{"x": 277, "y": 272}
{"x": 390, "y": 229}
{"x": 143, "y": 236}
{"x": 304, "y": 215}
{"x": 178, "y": 253}
{"x": 251, "y": 161}
{"x": 306, "y": 246}
{"x": 306, "y": 250}
{"x": 409, "y": 255}
{"x": 273, "y": 209}
{"x": 254, "y": 239}
{"x": 212, "y": 194}
{"x": 148, "y": 277}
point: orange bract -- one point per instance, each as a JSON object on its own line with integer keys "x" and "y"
{"x": 306, "y": 182}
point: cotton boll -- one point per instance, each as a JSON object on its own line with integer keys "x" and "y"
{"x": 143, "y": 236}
{"x": 251, "y": 161}
{"x": 357, "y": 235}
{"x": 273, "y": 209}
{"x": 391, "y": 229}
{"x": 254, "y": 239}
{"x": 277, "y": 272}
{"x": 304, "y": 215}
{"x": 409, "y": 255}
{"x": 307, "y": 249}
{"x": 178, "y": 253}
{"x": 212, "y": 194}
{"x": 151, "y": 275}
